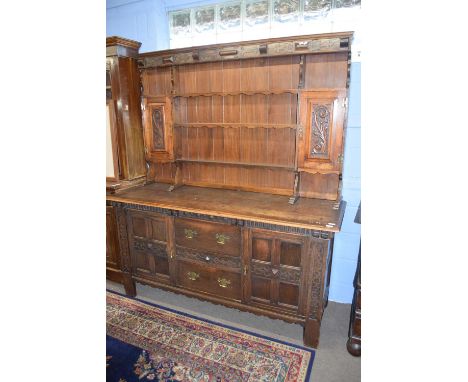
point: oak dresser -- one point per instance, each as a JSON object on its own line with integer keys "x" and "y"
{"x": 241, "y": 198}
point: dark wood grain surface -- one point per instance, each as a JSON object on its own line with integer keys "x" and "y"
{"x": 273, "y": 209}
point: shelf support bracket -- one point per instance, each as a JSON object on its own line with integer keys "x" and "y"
{"x": 293, "y": 199}
{"x": 177, "y": 179}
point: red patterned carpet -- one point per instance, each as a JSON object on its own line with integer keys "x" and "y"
{"x": 151, "y": 343}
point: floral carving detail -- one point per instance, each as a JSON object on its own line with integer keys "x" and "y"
{"x": 123, "y": 240}
{"x": 318, "y": 252}
{"x": 157, "y": 120}
{"x": 191, "y": 254}
{"x": 320, "y": 130}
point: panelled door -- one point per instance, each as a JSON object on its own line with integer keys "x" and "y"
{"x": 149, "y": 245}
{"x": 322, "y": 115}
{"x": 158, "y": 129}
{"x": 274, "y": 272}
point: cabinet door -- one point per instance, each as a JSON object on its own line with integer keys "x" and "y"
{"x": 157, "y": 122}
{"x": 112, "y": 241}
{"x": 274, "y": 274}
{"x": 149, "y": 248}
{"x": 321, "y": 140}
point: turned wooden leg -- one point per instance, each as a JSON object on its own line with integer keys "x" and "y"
{"x": 311, "y": 333}
{"x": 129, "y": 285}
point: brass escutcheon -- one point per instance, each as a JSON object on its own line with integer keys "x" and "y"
{"x": 193, "y": 275}
{"x": 223, "y": 283}
{"x": 221, "y": 238}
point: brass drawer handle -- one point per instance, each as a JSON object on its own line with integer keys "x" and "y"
{"x": 223, "y": 283}
{"x": 193, "y": 276}
{"x": 190, "y": 233}
{"x": 222, "y": 238}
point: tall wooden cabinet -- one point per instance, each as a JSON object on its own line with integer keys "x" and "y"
{"x": 126, "y": 165}
{"x": 124, "y": 114}
{"x": 243, "y": 145}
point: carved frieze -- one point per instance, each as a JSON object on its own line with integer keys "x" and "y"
{"x": 261, "y": 269}
{"x": 208, "y": 258}
{"x": 290, "y": 275}
{"x": 157, "y": 249}
{"x": 235, "y": 52}
{"x": 123, "y": 240}
{"x": 283, "y": 273}
{"x": 237, "y": 222}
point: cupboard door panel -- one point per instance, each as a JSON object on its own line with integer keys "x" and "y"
{"x": 322, "y": 122}
{"x": 158, "y": 129}
{"x": 275, "y": 263}
{"x": 149, "y": 244}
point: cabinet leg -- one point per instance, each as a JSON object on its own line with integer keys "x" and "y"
{"x": 354, "y": 347}
{"x": 129, "y": 285}
{"x": 312, "y": 333}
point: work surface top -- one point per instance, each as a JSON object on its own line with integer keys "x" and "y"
{"x": 307, "y": 213}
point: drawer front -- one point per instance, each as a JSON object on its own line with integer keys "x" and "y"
{"x": 217, "y": 237}
{"x": 208, "y": 279}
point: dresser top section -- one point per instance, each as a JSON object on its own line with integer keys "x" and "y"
{"x": 306, "y": 213}
{"x": 281, "y": 46}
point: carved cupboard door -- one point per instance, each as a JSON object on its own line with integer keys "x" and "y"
{"x": 274, "y": 272}
{"x": 322, "y": 115}
{"x": 112, "y": 240}
{"x": 150, "y": 249}
{"x": 158, "y": 130}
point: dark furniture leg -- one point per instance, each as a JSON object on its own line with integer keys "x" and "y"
{"x": 129, "y": 285}
{"x": 354, "y": 341}
{"x": 312, "y": 333}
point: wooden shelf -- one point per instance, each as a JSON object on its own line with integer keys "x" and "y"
{"x": 234, "y": 93}
{"x": 248, "y": 125}
{"x": 244, "y": 164}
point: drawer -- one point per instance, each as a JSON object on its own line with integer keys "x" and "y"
{"x": 208, "y": 279}
{"x": 217, "y": 237}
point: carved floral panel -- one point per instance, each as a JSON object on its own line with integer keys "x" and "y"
{"x": 157, "y": 124}
{"x": 320, "y": 131}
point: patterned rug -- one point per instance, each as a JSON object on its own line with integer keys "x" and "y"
{"x": 147, "y": 342}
